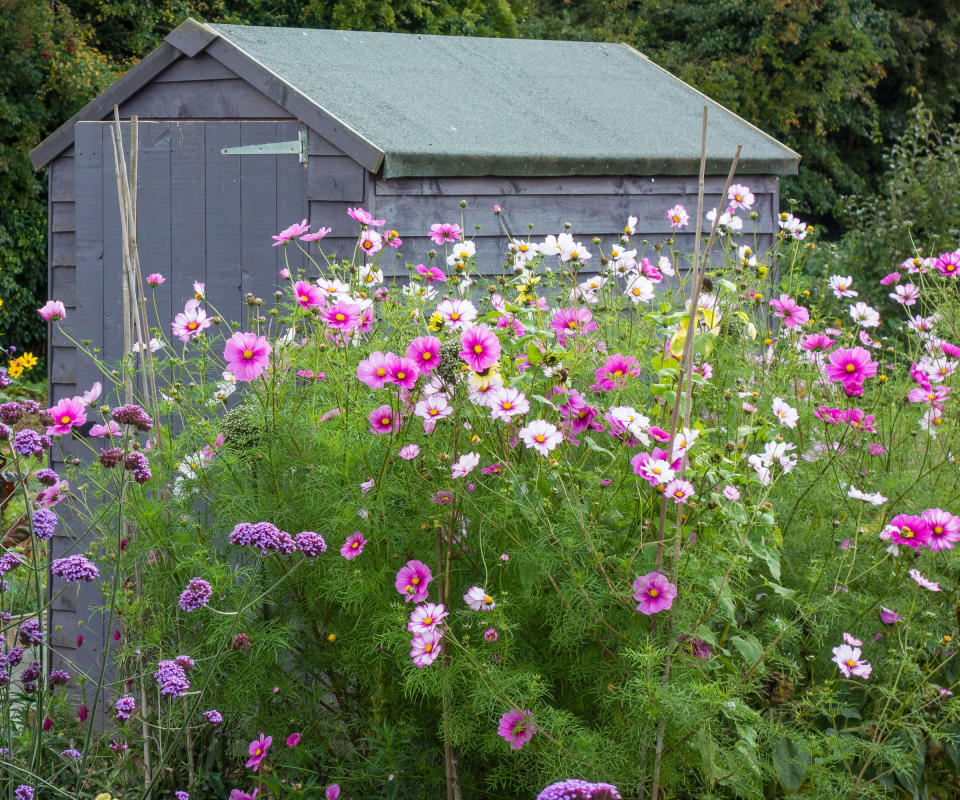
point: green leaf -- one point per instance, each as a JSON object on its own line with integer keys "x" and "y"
{"x": 748, "y": 647}
{"x": 594, "y": 446}
{"x": 534, "y": 354}
{"x": 791, "y": 762}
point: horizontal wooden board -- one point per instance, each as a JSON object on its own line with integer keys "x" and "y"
{"x": 599, "y": 184}
{"x": 318, "y": 146}
{"x": 335, "y": 178}
{"x": 204, "y": 99}
{"x": 63, "y": 249}
{"x": 596, "y": 214}
{"x": 60, "y": 179}
{"x": 63, "y": 365}
{"x": 202, "y": 67}
{"x": 62, "y": 217}
{"x": 63, "y": 284}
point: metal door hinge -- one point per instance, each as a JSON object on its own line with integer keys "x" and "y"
{"x": 298, "y": 146}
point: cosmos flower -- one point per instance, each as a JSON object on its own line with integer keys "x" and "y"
{"x": 353, "y": 546}
{"x": 517, "y": 728}
{"x": 413, "y": 581}
{"x": 654, "y": 593}
{"x": 849, "y": 660}
{"x": 247, "y": 355}
{"x": 478, "y": 599}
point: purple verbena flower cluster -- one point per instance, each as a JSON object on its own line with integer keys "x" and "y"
{"x": 575, "y": 789}
{"x": 172, "y": 679}
{"x": 29, "y": 633}
{"x": 71, "y": 753}
{"x": 132, "y": 415}
{"x": 264, "y": 535}
{"x": 10, "y": 560}
{"x": 196, "y": 595}
{"x": 31, "y": 677}
{"x": 30, "y": 443}
{"x": 125, "y": 706}
{"x": 47, "y": 476}
{"x": 136, "y": 462}
{"x": 24, "y": 792}
{"x": 110, "y": 458}
{"x": 74, "y": 569}
{"x": 44, "y": 523}
{"x": 58, "y": 677}
{"x": 213, "y": 716}
{"x": 310, "y": 544}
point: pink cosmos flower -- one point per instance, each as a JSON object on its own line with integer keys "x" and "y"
{"x": 740, "y": 196}
{"x": 948, "y": 264}
{"x": 67, "y": 414}
{"x": 731, "y": 492}
{"x": 308, "y": 295}
{"x": 92, "y": 394}
{"x": 258, "y": 750}
{"x": 944, "y": 528}
{"x": 478, "y": 599}
{"x": 247, "y": 355}
{"x": 481, "y": 347}
{"x": 409, "y": 452}
{"x": 425, "y": 647}
{"x": 442, "y": 232}
{"x": 290, "y": 233}
{"x": 933, "y": 586}
{"x": 293, "y": 740}
{"x": 364, "y": 217}
{"x": 572, "y": 322}
{"x": 792, "y": 313}
{"x": 383, "y": 420}
{"x": 906, "y": 295}
{"x": 655, "y": 470}
{"x": 850, "y": 367}
{"x": 909, "y": 530}
{"x": 517, "y": 728}
{"x": 110, "y": 429}
{"x": 155, "y": 279}
{"x": 890, "y": 277}
{"x": 615, "y": 371}
{"x": 852, "y": 640}
{"x": 426, "y": 618}
{"x": 371, "y": 242}
{"x": 541, "y": 435}
{"x": 332, "y": 792}
{"x": 464, "y": 465}
{"x": 431, "y": 274}
{"x": 199, "y": 290}
{"x": 888, "y": 616}
{"x": 344, "y": 316}
{"x": 424, "y": 351}
{"x": 413, "y": 581}
{"x": 678, "y": 490}
{"x": 816, "y": 342}
{"x": 678, "y": 216}
{"x": 653, "y": 593}
{"x": 353, "y": 546}
{"x": 402, "y": 371}
{"x": 315, "y": 237}
{"x": 787, "y": 415}
{"x": 506, "y": 403}
{"x": 190, "y": 322}
{"x": 856, "y": 418}
{"x": 52, "y": 310}
{"x": 849, "y": 661}
{"x": 432, "y": 409}
{"x": 373, "y": 370}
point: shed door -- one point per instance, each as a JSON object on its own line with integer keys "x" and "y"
{"x": 202, "y": 216}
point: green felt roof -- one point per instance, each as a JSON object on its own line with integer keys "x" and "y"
{"x": 456, "y": 105}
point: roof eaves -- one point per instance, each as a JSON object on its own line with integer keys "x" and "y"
{"x": 101, "y": 106}
{"x": 300, "y": 105}
{"x": 714, "y": 103}
{"x": 191, "y": 37}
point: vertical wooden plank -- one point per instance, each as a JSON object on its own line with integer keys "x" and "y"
{"x": 292, "y": 203}
{"x": 112, "y": 342}
{"x": 222, "y": 214}
{"x": 154, "y": 211}
{"x": 89, "y": 248}
{"x": 258, "y": 215}
{"x": 188, "y": 214}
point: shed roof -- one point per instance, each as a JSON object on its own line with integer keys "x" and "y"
{"x": 419, "y": 105}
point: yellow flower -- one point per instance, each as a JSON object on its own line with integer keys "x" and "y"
{"x": 29, "y": 360}
{"x": 15, "y": 368}
{"x": 435, "y": 323}
{"x": 332, "y": 637}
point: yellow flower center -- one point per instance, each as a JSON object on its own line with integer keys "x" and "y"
{"x": 478, "y": 348}
{"x": 248, "y": 354}
{"x": 415, "y": 581}
{"x": 433, "y": 412}
{"x": 304, "y": 298}
{"x": 339, "y": 317}
{"x": 384, "y": 420}
{"x": 851, "y": 663}
{"x": 401, "y": 375}
{"x": 454, "y": 316}
{"x": 355, "y": 545}
{"x": 937, "y": 529}
{"x": 654, "y": 593}
{"x": 192, "y": 326}
{"x": 506, "y": 405}
{"x": 487, "y": 599}
{"x": 381, "y": 372}
{"x": 428, "y": 648}
{"x": 851, "y": 368}
{"x": 427, "y": 356}
{"x": 540, "y": 438}
{"x": 572, "y": 323}
{"x": 64, "y": 420}
{"x": 428, "y": 620}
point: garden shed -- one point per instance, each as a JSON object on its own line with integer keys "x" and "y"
{"x": 247, "y": 129}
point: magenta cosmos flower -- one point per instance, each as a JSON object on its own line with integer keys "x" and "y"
{"x": 481, "y": 347}
{"x": 944, "y": 528}
{"x": 353, "y": 546}
{"x": 572, "y": 322}
{"x": 653, "y": 593}
{"x": 293, "y": 740}
{"x": 344, "y": 316}
{"x": 413, "y": 581}
{"x": 68, "y": 413}
{"x": 850, "y": 366}
{"x": 678, "y": 490}
{"x": 52, "y": 310}
{"x": 909, "y": 530}
{"x": 425, "y": 647}
{"x": 190, "y": 322}
{"x": 790, "y": 311}
{"x": 156, "y": 279}
{"x": 441, "y": 232}
{"x": 948, "y": 265}
{"x": 517, "y": 728}
{"x": 426, "y": 618}
{"x": 373, "y": 370}
{"x": 478, "y": 599}
{"x": 851, "y": 663}
{"x": 383, "y": 420}
{"x": 402, "y": 371}
{"x": 290, "y": 233}
{"x": 308, "y": 295}
{"x": 247, "y": 355}
{"x": 424, "y": 351}
{"x": 258, "y": 751}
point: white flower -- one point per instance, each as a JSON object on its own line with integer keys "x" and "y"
{"x": 728, "y": 221}
{"x": 746, "y": 256}
{"x": 787, "y": 415}
{"x": 841, "y": 286}
{"x": 639, "y": 289}
{"x": 507, "y": 403}
{"x": 420, "y": 290}
{"x": 334, "y": 289}
{"x": 478, "y": 599}
{"x": 864, "y": 315}
{"x": 575, "y": 251}
{"x": 369, "y": 275}
{"x": 461, "y": 251}
{"x": 665, "y": 266}
{"x": 541, "y": 435}
{"x": 683, "y": 441}
{"x": 464, "y": 465}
